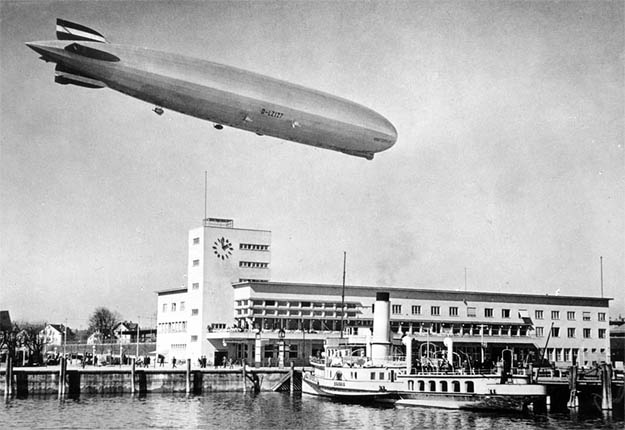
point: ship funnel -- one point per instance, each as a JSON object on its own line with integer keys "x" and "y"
{"x": 381, "y": 327}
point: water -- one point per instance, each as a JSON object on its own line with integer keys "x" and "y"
{"x": 263, "y": 411}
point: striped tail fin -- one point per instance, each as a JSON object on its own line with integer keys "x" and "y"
{"x": 66, "y": 30}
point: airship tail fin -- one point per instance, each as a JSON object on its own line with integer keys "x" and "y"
{"x": 66, "y": 30}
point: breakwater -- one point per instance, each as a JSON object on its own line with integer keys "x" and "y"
{"x": 23, "y": 382}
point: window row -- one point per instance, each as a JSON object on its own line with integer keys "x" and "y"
{"x": 294, "y": 304}
{"x": 571, "y": 332}
{"x": 172, "y": 327}
{"x": 253, "y": 264}
{"x": 253, "y": 247}
{"x": 174, "y": 307}
{"x": 539, "y": 314}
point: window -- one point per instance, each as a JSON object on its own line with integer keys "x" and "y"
{"x": 505, "y": 313}
{"x": 194, "y": 338}
{"x": 396, "y": 309}
{"x": 539, "y": 314}
{"x": 601, "y": 333}
{"x": 586, "y": 333}
{"x": 164, "y": 307}
{"x": 181, "y": 306}
{"x": 253, "y": 264}
{"x": 253, "y": 247}
{"x": 601, "y": 316}
{"x": 195, "y": 286}
{"x": 540, "y": 332}
{"x": 570, "y": 315}
{"x": 436, "y": 310}
{"x": 416, "y": 310}
{"x": 555, "y": 315}
{"x": 196, "y": 262}
{"x": 471, "y": 311}
{"x": 555, "y": 331}
{"x": 570, "y": 332}
{"x": 194, "y": 312}
{"x": 453, "y": 311}
{"x": 173, "y": 307}
{"x": 488, "y": 312}
{"x": 586, "y": 316}
{"x": 196, "y": 240}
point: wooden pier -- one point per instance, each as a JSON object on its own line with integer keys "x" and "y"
{"x": 71, "y": 382}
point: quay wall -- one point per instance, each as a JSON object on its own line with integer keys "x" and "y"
{"x": 40, "y": 381}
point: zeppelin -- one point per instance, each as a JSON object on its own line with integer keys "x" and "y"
{"x": 215, "y": 92}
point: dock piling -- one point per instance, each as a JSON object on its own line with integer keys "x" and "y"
{"x": 188, "y": 376}
{"x": 132, "y": 375}
{"x": 606, "y": 387}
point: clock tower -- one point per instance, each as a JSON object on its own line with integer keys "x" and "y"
{"x": 219, "y": 256}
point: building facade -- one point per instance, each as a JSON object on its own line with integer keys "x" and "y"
{"x": 218, "y": 256}
{"x": 230, "y": 309}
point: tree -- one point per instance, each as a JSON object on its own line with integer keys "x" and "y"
{"x": 8, "y": 339}
{"x": 103, "y": 320}
{"x": 30, "y": 338}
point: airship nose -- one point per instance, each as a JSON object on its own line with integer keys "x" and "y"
{"x": 39, "y": 47}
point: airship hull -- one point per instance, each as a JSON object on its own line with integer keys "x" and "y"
{"x": 224, "y": 95}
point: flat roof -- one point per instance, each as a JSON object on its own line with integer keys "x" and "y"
{"x": 429, "y": 294}
{"x": 171, "y": 291}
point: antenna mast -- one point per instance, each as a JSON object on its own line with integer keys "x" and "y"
{"x": 205, "y": 195}
{"x": 601, "y": 265}
{"x": 343, "y": 294}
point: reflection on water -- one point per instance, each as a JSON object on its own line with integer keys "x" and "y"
{"x": 263, "y": 411}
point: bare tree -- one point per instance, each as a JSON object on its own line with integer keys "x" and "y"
{"x": 103, "y": 320}
{"x": 30, "y": 338}
{"x": 9, "y": 339}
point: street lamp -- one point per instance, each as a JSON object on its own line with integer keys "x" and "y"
{"x": 281, "y": 335}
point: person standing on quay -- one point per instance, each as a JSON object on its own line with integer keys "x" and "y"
{"x": 173, "y": 362}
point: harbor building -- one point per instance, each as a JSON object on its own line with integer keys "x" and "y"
{"x": 218, "y": 256}
{"x": 231, "y": 309}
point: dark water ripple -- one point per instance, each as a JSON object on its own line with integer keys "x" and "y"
{"x": 264, "y": 411}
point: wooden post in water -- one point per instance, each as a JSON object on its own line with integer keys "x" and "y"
{"x": 573, "y": 401}
{"x": 132, "y": 375}
{"x": 8, "y": 378}
{"x": 188, "y": 376}
{"x": 62, "y": 371}
{"x": 606, "y": 387}
{"x": 243, "y": 371}
{"x": 292, "y": 379}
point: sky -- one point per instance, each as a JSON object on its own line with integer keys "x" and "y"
{"x": 509, "y": 165}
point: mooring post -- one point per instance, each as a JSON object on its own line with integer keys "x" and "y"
{"x": 243, "y": 372}
{"x": 573, "y": 402}
{"x": 606, "y": 387}
{"x": 62, "y": 370}
{"x": 188, "y": 389}
{"x": 132, "y": 374}
{"x": 292, "y": 379}
{"x": 8, "y": 378}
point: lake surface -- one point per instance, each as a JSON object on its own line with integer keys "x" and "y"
{"x": 262, "y": 411}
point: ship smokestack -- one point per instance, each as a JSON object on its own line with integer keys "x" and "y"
{"x": 381, "y": 327}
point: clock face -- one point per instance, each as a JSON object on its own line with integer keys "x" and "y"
{"x": 222, "y": 248}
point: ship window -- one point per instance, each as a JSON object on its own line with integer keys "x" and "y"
{"x": 381, "y": 376}
{"x": 373, "y": 376}
{"x": 443, "y": 385}
{"x": 432, "y": 386}
{"x": 411, "y": 385}
{"x": 469, "y": 385}
{"x": 456, "y": 386}
{"x": 421, "y": 386}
